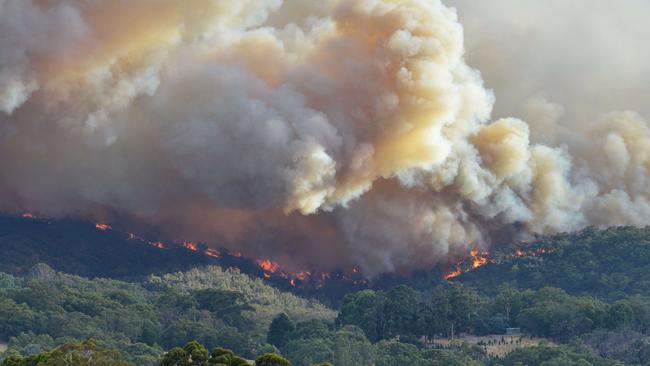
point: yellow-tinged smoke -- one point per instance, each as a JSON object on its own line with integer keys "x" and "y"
{"x": 341, "y": 132}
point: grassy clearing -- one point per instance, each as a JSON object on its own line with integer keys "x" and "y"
{"x": 497, "y": 345}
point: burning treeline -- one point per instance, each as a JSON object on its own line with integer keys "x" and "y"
{"x": 270, "y": 268}
{"x": 324, "y": 133}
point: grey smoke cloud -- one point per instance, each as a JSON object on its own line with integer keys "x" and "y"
{"x": 324, "y": 134}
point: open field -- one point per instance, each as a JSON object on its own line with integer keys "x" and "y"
{"x": 496, "y": 345}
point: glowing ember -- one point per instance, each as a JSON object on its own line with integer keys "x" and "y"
{"x": 158, "y": 245}
{"x": 190, "y": 246}
{"x": 324, "y": 277}
{"x": 212, "y": 253}
{"x": 267, "y": 276}
{"x": 268, "y": 265}
{"x": 103, "y": 227}
{"x": 520, "y": 252}
{"x": 452, "y": 274}
{"x": 27, "y": 215}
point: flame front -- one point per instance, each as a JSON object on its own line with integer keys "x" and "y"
{"x": 268, "y": 265}
{"x": 191, "y": 246}
{"x": 271, "y": 268}
{"x": 478, "y": 260}
{"x": 452, "y": 274}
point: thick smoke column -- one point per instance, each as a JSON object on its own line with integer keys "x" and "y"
{"x": 335, "y": 132}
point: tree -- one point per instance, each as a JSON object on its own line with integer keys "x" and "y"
{"x": 229, "y": 306}
{"x": 509, "y": 302}
{"x": 401, "y": 312}
{"x": 198, "y": 354}
{"x": 303, "y": 352}
{"x": 86, "y": 353}
{"x": 176, "y": 357}
{"x": 365, "y": 310}
{"x": 352, "y": 348}
{"x": 390, "y": 353}
{"x": 225, "y": 357}
{"x": 271, "y": 359}
{"x": 279, "y": 330}
{"x": 14, "y": 318}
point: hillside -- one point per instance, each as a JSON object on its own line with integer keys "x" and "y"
{"x": 585, "y": 293}
{"x": 77, "y": 247}
{"x": 609, "y": 264}
{"x": 46, "y": 308}
{"x": 95, "y": 250}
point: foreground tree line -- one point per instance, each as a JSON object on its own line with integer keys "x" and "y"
{"x": 88, "y": 353}
{"x": 616, "y": 329}
{"x": 453, "y": 308}
{"x": 216, "y": 307}
{"x": 380, "y": 328}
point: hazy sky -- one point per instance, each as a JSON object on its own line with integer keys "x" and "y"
{"x": 591, "y": 56}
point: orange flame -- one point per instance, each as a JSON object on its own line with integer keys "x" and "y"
{"x": 452, "y": 274}
{"x": 212, "y": 253}
{"x": 190, "y": 246}
{"x": 268, "y": 265}
{"x": 27, "y": 215}
{"x": 103, "y": 227}
{"x": 478, "y": 260}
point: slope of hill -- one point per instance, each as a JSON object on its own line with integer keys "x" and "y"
{"x": 609, "y": 264}
{"x": 97, "y": 250}
{"x": 47, "y": 308}
{"x": 77, "y": 247}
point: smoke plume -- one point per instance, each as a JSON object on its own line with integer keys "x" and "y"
{"x": 323, "y": 133}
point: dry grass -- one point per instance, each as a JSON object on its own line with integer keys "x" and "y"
{"x": 494, "y": 345}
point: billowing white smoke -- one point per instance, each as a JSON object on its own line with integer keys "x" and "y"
{"x": 335, "y": 132}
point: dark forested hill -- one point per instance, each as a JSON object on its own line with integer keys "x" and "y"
{"x": 77, "y": 247}
{"x": 95, "y": 250}
{"x": 609, "y": 264}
